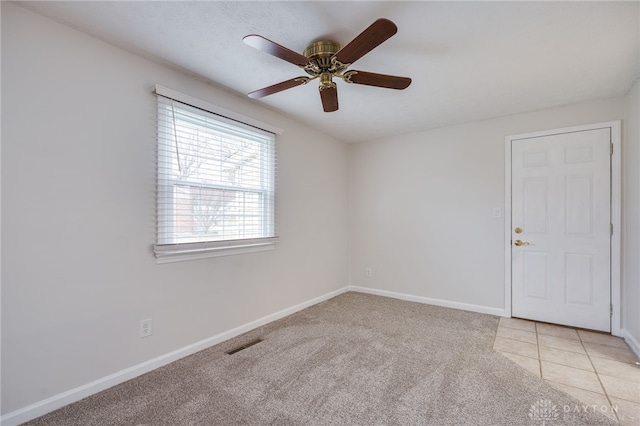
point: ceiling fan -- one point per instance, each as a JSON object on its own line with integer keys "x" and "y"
{"x": 326, "y": 59}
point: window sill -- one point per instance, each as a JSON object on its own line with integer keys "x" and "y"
{"x": 170, "y": 253}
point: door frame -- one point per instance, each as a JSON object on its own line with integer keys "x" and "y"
{"x": 616, "y": 212}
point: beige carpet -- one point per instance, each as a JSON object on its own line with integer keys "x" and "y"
{"x": 356, "y": 359}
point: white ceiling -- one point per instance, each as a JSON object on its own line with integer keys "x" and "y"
{"x": 468, "y": 60}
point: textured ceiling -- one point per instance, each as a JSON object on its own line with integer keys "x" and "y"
{"x": 468, "y": 60}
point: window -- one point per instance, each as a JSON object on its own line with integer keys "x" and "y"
{"x": 216, "y": 182}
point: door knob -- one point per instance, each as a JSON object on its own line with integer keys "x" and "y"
{"x": 521, "y": 243}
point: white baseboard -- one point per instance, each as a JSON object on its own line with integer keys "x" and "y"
{"x": 45, "y": 406}
{"x": 633, "y": 343}
{"x": 429, "y": 301}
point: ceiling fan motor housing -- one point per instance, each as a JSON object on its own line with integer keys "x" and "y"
{"x": 323, "y": 63}
{"x": 321, "y": 51}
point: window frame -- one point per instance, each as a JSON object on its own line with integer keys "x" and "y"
{"x": 174, "y": 252}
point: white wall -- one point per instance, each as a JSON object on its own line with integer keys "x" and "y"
{"x": 78, "y": 181}
{"x": 631, "y": 220}
{"x": 421, "y": 206}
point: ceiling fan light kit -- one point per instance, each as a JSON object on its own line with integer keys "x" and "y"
{"x": 326, "y": 59}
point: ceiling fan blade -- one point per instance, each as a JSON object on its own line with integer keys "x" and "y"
{"x": 329, "y": 96}
{"x": 366, "y": 41}
{"x": 279, "y": 87}
{"x": 378, "y": 80}
{"x": 275, "y": 49}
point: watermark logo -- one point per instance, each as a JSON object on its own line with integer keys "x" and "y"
{"x": 544, "y": 411}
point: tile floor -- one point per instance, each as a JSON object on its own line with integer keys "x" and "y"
{"x": 595, "y": 368}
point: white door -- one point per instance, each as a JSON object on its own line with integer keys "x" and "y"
{"x": 561, "y": 228}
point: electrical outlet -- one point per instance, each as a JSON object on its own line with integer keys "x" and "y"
{"x": 368, "y": 272}
{"x": 145, "y": 328}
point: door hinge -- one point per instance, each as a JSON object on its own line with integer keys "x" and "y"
{"x": 612, "y": 229}
{"x": 611, "y": 310}
{"x": 611, "y": 149}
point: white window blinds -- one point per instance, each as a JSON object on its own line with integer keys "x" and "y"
{"x": 216, "y": 182}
